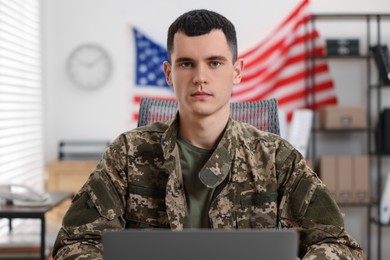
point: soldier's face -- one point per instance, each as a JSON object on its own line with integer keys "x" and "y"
{"x": 202, "y": 73}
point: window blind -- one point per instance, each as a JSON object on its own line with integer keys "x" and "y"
{"x": 21, "y": 113}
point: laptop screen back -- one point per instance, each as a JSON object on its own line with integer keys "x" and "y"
{"x": 200, "y": 244}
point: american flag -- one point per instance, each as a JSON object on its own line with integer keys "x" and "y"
{"x": 149, "y": 74}
{"x": 278, "y": 67}
{"x": 150, "y": 57}
{"x": 275, "y": 68}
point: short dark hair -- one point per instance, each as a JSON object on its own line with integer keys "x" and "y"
{"x": 200, "y": 22}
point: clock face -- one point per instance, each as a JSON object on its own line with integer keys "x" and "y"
{"x": 89, "y": 66}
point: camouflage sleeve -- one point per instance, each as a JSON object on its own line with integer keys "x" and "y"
{"x": 308, "y": 206}
{"x": 98, "y": 206}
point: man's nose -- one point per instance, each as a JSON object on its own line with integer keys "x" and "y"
{"x": 200, "y": 76}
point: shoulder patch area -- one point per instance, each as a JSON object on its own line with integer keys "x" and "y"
{"x": 154, "y": 127}
{"x": 285, "y": 150}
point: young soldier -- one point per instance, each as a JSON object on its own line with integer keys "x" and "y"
{"x": 203, "y": 169}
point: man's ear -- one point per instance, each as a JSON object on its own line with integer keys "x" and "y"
{"x": 168, "y": 72}
{"x": 238, "y": 69}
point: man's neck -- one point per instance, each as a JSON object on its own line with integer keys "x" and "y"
{"x": 203, "y": 132}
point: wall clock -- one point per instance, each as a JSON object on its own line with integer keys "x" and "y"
{"x": 89, "y": 66}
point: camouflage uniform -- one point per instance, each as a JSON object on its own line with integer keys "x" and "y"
{"x": 261, "y": 182}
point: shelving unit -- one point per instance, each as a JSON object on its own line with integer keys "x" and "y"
{"x": 370, "y": 20}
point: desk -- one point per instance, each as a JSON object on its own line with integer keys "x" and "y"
{"x": 10, "y": 212}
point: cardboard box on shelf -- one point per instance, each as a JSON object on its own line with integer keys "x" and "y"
{"x": 328, "y": 173}
{"x": 346, "y": 177}
{"x": 342, "y": 117}
{"x": 361, "y": 179}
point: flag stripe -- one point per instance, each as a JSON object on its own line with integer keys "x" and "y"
{"x": 299, "y": 95}
{"x": 275, "y": 83}
{"x": 281, "y": 45}
{"x": 283, "y": 51}
{"x": 279, "y": 29}
{"x": 254, "y": 82}
{"x": 278, "y": 67}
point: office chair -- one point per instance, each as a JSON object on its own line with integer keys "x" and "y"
{"x": 262, "y": 114}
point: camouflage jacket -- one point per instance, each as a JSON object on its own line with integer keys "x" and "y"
{"x": 261, "y": 182}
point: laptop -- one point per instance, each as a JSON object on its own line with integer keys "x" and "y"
{"x": 200, "y": 244}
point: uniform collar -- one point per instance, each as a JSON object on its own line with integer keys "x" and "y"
{"x": 168, "y": 140}
{"x": 218, "y": 166}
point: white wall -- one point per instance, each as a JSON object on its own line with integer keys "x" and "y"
{"x": 73, "y": 113}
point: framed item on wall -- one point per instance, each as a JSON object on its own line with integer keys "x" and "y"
{"x": 89, "y": 66}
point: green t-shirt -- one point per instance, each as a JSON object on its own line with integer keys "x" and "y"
{"x": 192, "y": 159}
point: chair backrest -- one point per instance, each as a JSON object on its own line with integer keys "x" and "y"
{"x": 262, "y": 114}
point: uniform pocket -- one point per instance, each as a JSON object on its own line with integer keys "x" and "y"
{"x": 146, "y": 207}
{"x": 104, "y": 197}
{"x": 258, "y": 210}
{"x": 80, "y": 212}
{"x": 301, "y": 197}
{"x": 97, "y": 207}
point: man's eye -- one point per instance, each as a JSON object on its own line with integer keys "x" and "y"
{"x": 185, "y": 64}
{"x": 215, "y": 64}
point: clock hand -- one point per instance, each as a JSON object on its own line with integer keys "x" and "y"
{"x": 97, "y": 60}
{"x": 81, "y": 62}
